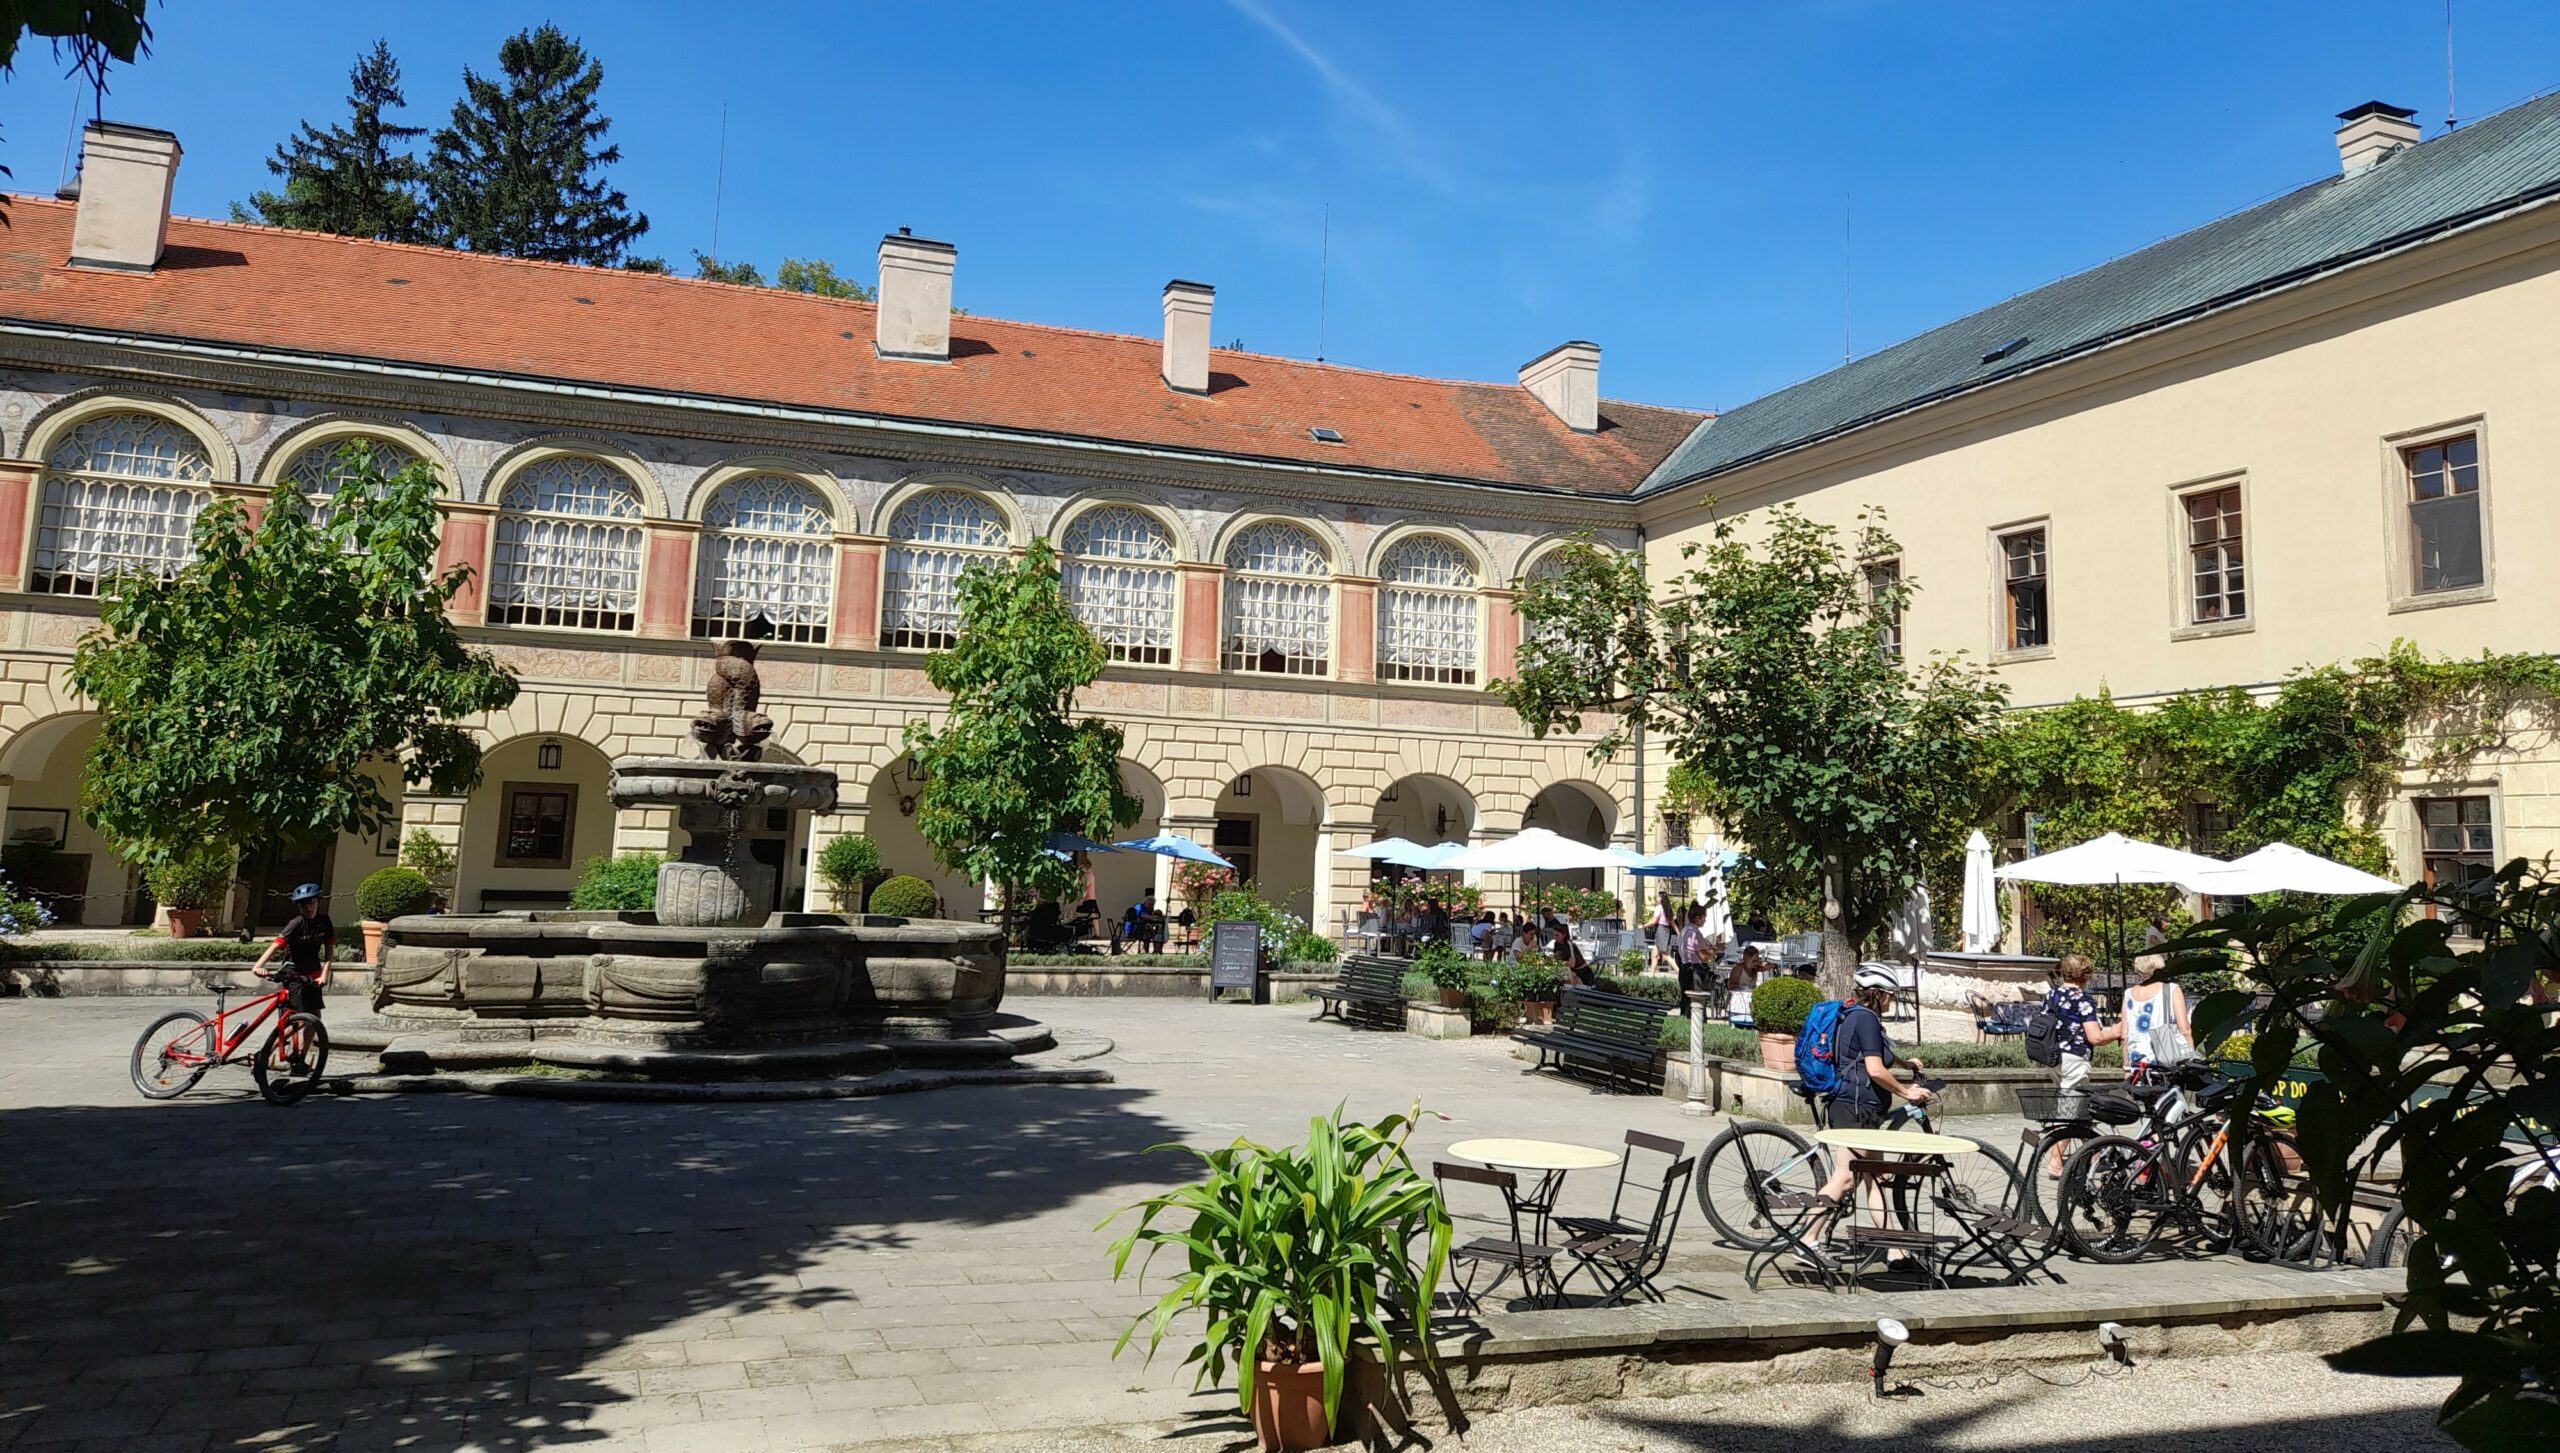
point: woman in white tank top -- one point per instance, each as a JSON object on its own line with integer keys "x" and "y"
{"x": 2156, "y": 1028}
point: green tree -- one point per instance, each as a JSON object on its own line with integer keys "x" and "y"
{"x": 356, "y": 179}
{"x": 744, "y": 274}
{"x": 817, "y": 275}
{"x": 1846, "y": 771}
{"x": 1012, "y": 762}
{"x": 517, "y": 173}
{"x": 245, "y": 697}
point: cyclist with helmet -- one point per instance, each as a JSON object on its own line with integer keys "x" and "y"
{"x": 1866, "y": 1062}
{"x": 308, "y": 942}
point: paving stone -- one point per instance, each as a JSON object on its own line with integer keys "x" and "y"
{"x": 734, "y": 1435}
{"x": 866, "y": 1392}
{"x": 656, "y": 1381}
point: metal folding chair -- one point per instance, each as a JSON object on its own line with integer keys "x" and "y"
{"x": 1616, "y": 1222}
{"x": 1533, "y": 1263}
{"x": 1623, "y": 1265}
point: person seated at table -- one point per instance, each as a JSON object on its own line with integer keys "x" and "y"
{"x": 1865, "y": 1062}
{"x": 1045, "y": 929}
{"x": 1138, "y": 925}
{"x": 1087, "y": 919}
{"x": 1750, "y": 969}
{"x": 1562, "y": 948}
{"x": 1480, "y": 935}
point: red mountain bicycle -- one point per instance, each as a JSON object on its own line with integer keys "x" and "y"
{"x": 180, "y": 1046}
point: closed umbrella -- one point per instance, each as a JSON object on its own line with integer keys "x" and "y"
{"x": 1718, "y": 924}
{"x": 2112, "y": 858}
{"x": 1981, "y": 897}
{"x": 1907, "y": 932}
{"x": 2284, "y": 868}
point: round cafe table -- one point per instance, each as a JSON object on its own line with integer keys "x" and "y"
{"x": 1871, "y": 1170}
{"x": 1548, "y": 1160}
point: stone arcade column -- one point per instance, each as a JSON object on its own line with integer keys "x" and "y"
{"x": 645, "y": 830}
{"x": 848, "y": 820}
{"x": 1342, "y": 882}
{"x": 1201, "y": 830}
{"x": 441, "y": 819}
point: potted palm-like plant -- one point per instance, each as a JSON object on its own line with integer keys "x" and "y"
{"x": 1292, "y": 1254}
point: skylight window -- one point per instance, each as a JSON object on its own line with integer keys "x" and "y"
{"x": 1323, "y": 435}
{"x": 2004, "y": 350}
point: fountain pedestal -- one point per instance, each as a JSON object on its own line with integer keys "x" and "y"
{"x": 714, "y": 882}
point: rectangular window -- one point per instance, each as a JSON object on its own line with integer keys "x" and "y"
{"x": 2208, "y": 827}
{"x": 2444, "y": 515}
{"x": 536, "y": 832}
{"x": 2217, "y": 585}
{"x": 1882, "y": 576}
{"x": 2029, "y": 623}
{"x": 2456, "y": 841}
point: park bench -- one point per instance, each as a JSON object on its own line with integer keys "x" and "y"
{"x": 1618, "y": 1034}
{"x": 1371, "y": 983}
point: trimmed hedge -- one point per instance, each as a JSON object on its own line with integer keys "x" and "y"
{"x": 389, "y": 893}
{"x": 156, "y": 948}
{"x": 904, "y": 896}
{"x": 625, "y": 884}
{"x": 1780, "y": 1004}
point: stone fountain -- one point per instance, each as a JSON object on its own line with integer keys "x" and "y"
{"x": 712, "y": 978}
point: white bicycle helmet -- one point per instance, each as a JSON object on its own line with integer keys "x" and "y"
{"x": 1878, "y": 976}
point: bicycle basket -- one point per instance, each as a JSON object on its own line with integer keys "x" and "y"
{"x": 2051, "y": 1105}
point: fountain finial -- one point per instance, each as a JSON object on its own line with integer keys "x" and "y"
{"x": 730, "y": 728}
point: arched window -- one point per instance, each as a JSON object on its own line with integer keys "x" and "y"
{"x": 1427, "y": 612}
{"x": 768, "y": 553}
{"x": 1119, "y": 576}
{"x": 121, "y": 492}
{"x": 568, "y": 547}
{"x": 1279, "y": 601}
{"x": 321, "y": 468}
{"x": 933, "y": 537}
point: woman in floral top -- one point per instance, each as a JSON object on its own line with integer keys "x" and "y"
{"x": 2069, "y": 1002}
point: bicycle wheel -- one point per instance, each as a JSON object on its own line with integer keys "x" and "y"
{"x": 2116, "y": 1196}
{"x": 1746, "y": 1165}
{"x": 2211, "y": 1204}
{"x": 292, "y": 1060}
{"x": 2274, "y": 1213}
{"x": 2392, "y": 1239}
{"x": 2042, "y": 1190}
{"x": 172, "y": 1055}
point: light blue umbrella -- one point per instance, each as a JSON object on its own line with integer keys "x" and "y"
{"x": 1671, "y": 863}
{"x": 1174, "y": 845}
{"x": 1063, "y": 841}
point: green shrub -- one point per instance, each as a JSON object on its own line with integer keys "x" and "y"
{"x": 1723, "y": 1041}
{"x": 389, "y": 893}
{"x": 1307, "y": 946}
{"x": 1418, "y": 988}
{"x": 1780, "y": 1005}
{"x": 423, "y": 851}
{"x": 195, "y": 879}
{"x": 625, "y": 884}
{"x": 1660, "y": 988}
{"x": 1530, "y": 977}
{"x": 1442, "y": 965}
{"x": 1231, "y": 905}
{"x": 845, "y": 864}
{"x": 1630, "y": 962}
{"x": 904, "y": 896}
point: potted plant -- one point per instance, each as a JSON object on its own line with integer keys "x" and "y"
{"x": 1531, "y": 981}
{"x": 1290, "y": 1254}
{"x": 1778, "y": 1008}
{"x": 1447, "y": 970}
{"x": 386, "y": 894}
{"x": 187, "y": 882}
{"x": 846, "y": 865}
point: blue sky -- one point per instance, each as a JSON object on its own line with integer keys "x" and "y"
{"x": 1665, "y": 180}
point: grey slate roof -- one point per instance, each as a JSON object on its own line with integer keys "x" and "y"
{"x": 2483, "y": 168}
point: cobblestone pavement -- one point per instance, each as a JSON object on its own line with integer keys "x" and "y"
{"x": 444, "y": 1272}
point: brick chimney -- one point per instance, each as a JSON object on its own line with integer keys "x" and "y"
{"x": 915, "y": 297}
{"x": 1566, "y": 378}
{"x": 1186, "y": 336}
{"x": 2371, "y": 132}
{"x": 126, "y": 174}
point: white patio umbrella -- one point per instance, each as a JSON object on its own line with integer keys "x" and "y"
{"x": 1403, "y": 852}
{"x": 1534, "y": 850}
{"x": 1718, "y": 925}
{"x": 2113, "y": 859}
{"x": 1981, "y": 897}
{"x": 2284, "y": 868}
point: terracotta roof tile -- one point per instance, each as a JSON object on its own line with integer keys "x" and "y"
{"x": 265, "y": 287}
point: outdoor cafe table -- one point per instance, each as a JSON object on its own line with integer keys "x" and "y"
{"x": 1894, "y": 1142}
{"x": 1549, "y": 1159}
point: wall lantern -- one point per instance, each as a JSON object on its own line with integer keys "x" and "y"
{"x": 1394, "y": 792}
{"x": 1244, "y": 785}
{"x": 1440, "y": 822}
{"x": 547, "y": 756}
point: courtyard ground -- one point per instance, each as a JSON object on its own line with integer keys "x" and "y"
{"x": 445, "y": 1272}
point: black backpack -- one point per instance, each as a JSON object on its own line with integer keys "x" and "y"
{"x": 2044, "y": 1035}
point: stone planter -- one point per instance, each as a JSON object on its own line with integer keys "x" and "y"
{"x": 1778, "y": 1052}
{"x": 1433, "y": 1021}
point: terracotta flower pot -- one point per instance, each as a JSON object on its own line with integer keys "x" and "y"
{"x": 1778, "y": 1052}
{"x": 373, "y": 928}
{"x": 186, "y": 922}
{"x": 1288, "y": 1406}
{"x": 1538, "y": 1011}
{"x": 1452, "y": 998}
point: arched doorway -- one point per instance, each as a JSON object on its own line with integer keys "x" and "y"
{"x": 1573, "y": 810}
{"x": 1425, "y": 808}
{"x": 1120, "y": 879}
{"x": 1267, "y": 824}
{"x": 891, "y": 823}
{"x": 48, "y": 851}
{"x": 540, "y": 810}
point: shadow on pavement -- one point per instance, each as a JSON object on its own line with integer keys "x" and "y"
{"x": 430, "y": 1272}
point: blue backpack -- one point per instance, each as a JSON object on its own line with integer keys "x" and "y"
{"x": 1813, "y": 1048}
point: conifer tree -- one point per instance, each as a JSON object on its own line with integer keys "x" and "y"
{"x": 357, "y": 180}
{"x": 517, "y": 173}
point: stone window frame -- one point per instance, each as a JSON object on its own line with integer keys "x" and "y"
{"x": 1128, "y": 599}
{"x": 1452, "y": 610}
{"x": 730, "y": 556}
{"x": 2183, "y": 625}
{"x": 1890, "y": 637}
{"x": 1312, "y": 593}
{"x": 87, "y": 500}
{"x": 2415, "y": 796}
{"x": 612, "y": 546}
{"x": 930, "y": 595}
{"x": 1997, "y": 539}
{"x": 2399, "y": 539}
{"x": 507, "y": 793}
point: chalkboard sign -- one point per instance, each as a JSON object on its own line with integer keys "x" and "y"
{"x": 1235, "y": 957}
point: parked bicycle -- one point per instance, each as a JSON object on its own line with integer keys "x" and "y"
{"x": 2220, "y": 1176}
{"x": 180, "y": 1046}
{"x": 1752, "y": 1176}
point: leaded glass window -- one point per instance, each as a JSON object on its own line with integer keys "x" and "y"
{"x": 933, "y": 538}
{"x": 121, "y": 492}
{"x": 1119, "y": 576}
{"x": 767, "y": 553}
{"x": 321, "y": 469}
{"x": 1427, "y": 612}
{"x": 1279, "y": 601}
{"x": 568, "y": 548}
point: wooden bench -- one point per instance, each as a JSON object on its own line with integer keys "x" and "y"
{"x": 1619, "y": 1034}
{"x": 1373, "y": 983}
